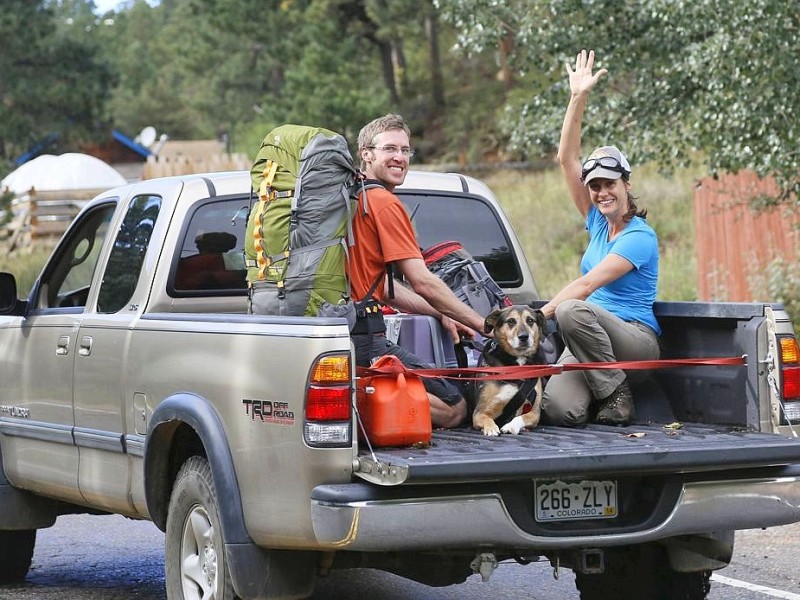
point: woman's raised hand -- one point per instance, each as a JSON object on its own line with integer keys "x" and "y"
{"x": 581, "y": 80}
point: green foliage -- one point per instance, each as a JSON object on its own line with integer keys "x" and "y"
{"x": 715, "y": 76}
{"x": 197, "y": 68}
{"x": 161, "y": 54}
{"x": 331, "y": 84}
{"x": 780, "y": 282}
{"x": 474, "y": 104}
{"x": 210, "y": 66}
{"x": 5, "y": 207}
{"x": 52, "y": 78}
{"x": 476, "y": 78}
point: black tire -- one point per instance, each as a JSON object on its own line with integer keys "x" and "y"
{"x": 195, "y": 563}
{"x": 16, "y": 554}
{"x": 690, "y": 586}
{"x": 642, "y": 572}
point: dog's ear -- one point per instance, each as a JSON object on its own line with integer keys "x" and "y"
{"x": 491, "y": 320}
{"x": 541, "y": 321}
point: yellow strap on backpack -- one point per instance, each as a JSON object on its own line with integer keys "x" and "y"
{"x": 265, "y": 189}
{"x": 265, "y": 195}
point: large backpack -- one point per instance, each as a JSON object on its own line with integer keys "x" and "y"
{"x": 466, "y": 277}
{"x": 299, "y": 230}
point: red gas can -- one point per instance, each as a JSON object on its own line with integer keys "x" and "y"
{"x": 393, "y": 407}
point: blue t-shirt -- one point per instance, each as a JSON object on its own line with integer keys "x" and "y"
{"x": 631, "y": 296}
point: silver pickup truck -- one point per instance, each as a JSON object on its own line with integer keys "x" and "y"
{"x": 134, "y": 382}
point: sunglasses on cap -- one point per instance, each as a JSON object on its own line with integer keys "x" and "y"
{"x": 604, "y": 162}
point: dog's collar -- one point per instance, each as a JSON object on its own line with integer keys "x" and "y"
{"x": 505, "y": 358}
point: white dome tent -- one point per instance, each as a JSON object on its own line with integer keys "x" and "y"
{"x": 68, "y": 171}
{"x": 49, "y": 191}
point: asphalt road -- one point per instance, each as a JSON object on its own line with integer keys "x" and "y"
{"x": 112, "y": 558}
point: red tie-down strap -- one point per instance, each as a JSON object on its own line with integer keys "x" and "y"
{"x": 384, "y": 367}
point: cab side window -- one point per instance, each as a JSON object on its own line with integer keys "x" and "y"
{"x": 66, "y": 281}
{"x": 128, "y": 254}
{"x": 471, "y": 221}
{"x": 212, "y": 250}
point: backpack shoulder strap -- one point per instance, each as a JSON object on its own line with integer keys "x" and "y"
{"x": 362, "y": 184}
{"x": 360, "y": 187}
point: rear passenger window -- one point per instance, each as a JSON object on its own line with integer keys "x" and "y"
{"x": 128, "y": 253}
{"x": 212, "y": 250}
{"x": 469, "y": 220}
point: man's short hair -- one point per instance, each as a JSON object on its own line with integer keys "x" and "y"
{"x": 377, "y": 126}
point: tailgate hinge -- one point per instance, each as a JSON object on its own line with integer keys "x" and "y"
{"x": 374, "y": 471}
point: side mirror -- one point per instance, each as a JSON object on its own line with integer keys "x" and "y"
{"x": 8, "y": 293}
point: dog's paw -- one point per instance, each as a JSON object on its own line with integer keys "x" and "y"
{"x": 514, "y": 426}
{"x": 491, "y": 430}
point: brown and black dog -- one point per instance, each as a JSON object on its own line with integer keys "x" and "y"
{"x": 518, "y": 331}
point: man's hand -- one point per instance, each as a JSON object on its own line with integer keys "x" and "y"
{"x": 456, "y": 330}
{"x": 436, "y": 297}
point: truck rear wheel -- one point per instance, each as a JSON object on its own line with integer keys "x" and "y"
{"x": 16, "y": 554}
{"x": 196, "y": 567}
{"x": 642, "y": 572}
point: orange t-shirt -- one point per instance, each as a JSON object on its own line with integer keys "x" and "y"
{"x": 383, "y": 235}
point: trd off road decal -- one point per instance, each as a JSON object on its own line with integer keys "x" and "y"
{"x": 268, "y": 411}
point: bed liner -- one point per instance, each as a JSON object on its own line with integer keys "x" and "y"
{"x": 467, "y": 455}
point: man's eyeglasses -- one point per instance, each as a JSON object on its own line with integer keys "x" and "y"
{"x": 606, "y": 162}
{"x": 405, "y": 150}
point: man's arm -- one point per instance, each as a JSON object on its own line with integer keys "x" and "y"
{"x": 406, "y": 300}
{"x": 431, "y": 296}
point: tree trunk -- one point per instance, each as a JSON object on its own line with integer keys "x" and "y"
{"x": 505, "y": 74}
{"x": 400, "y": 71}
{"x": 388, "y": 70}
{"x": 437, "y": 81}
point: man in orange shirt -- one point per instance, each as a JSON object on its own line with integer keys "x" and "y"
{"x": 384, "y": 235}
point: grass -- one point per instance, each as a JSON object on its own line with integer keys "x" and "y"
{"x": 550, "y": 229}
{"x": 25, "y": 266}
{"x": 553, "y": 236}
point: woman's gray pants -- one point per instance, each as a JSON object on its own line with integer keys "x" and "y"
{"x": 592, "y": 334}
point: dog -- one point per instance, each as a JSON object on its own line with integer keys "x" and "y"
{"x": 518, "y": 331}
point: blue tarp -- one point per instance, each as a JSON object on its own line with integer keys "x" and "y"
{"x": 37, "y": 149}
{"x": 130, "y": 143}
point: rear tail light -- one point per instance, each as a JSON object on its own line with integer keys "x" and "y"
{"x": 790, "y": 376}
{"x": 328, "y": 416}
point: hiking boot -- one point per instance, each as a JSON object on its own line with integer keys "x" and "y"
{"x": 616, "y": 408}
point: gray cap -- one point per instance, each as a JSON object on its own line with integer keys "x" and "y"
{"x": 606, "y": 162}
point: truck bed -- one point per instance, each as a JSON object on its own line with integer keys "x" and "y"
{"x": 668, "y": 482}
{"x": 547, "y": 452}
{"x": 715, "y": 407}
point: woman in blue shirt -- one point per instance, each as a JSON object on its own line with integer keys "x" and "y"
{"x": 605, "y": 315}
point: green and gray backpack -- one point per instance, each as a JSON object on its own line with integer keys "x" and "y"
{"x": 299, "y": 231}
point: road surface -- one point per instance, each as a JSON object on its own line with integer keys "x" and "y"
{"x": 112, "y": 558}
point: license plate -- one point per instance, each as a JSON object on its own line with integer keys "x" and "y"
{"x": 570, "y": 501}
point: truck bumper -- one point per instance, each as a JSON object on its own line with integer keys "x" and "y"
{"x": 349, "y": 517}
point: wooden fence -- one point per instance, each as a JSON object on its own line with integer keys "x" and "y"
{"x": 166, "y": 166}
{"x": 735, "y": 242}
{"x": 42, "y": 217}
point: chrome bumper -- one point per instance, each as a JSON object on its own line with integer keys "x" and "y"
{"x": 483, "y": 521}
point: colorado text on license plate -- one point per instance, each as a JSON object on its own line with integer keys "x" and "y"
{"x": 562, "y": 501}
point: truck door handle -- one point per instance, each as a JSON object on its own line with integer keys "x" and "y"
{"x": 62, "y": 348}
{"x": 86, "y": 346}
